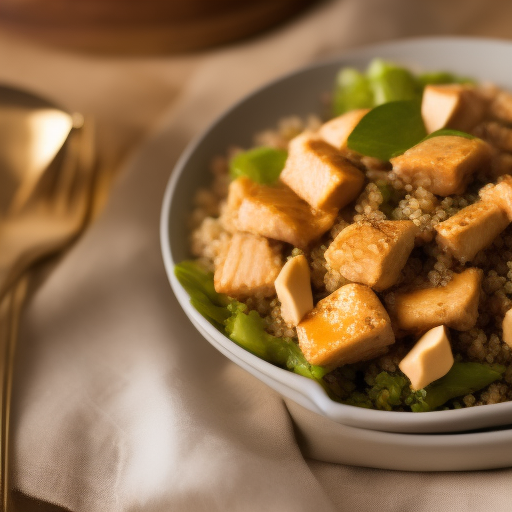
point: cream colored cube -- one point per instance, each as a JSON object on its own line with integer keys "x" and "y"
{"x": 276, "y": 212}
{"x": 471, "y": 229}
{"x": 451, "y": 106}
{"x": 507, "y": 328}
{"x": 500, "y": 194}
{"x": 454, "y": 305}
{"x": 430, "y": 359}
{"x": 336, "y": 131}
{"x": 443, "y": 165}
{"x": 249, "y": 267}
{"x": 293, "y": 288}
{"x": 320, "y": 174}
{"x": 348, "y": 326}
{"x": 372, "y": 254}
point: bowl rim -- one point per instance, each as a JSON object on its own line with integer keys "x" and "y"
{"x": 312, "y": 395}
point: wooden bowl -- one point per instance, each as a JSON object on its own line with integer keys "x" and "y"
{"x": 142, "y": 26}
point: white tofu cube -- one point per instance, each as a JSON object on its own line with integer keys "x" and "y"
{"x": 430, "y": 359}
{"x": 507, "y": 328}
{"x": 293, "y": 288}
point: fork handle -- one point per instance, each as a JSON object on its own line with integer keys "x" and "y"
{"x": 10, "y": 312}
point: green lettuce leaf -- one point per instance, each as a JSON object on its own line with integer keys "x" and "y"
{"x": 261, "y": 165}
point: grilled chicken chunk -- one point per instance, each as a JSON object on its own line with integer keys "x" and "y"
{"x": 372, "y": 254}
{"x": 443, "y": 165}
{"x": 336, "y": 131}
{"x": 348, "y": 326}
{"x": 500, "y": 194}
{"x": 471, "y": 229}
{"x": 320, "y": 174}
{"x": 249, "y": 267}
{"x": 276, "y": 212}
{"x": 454, "y": 305}
{"x": 454, "y": 106}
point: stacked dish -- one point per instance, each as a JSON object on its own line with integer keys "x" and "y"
{"x": 461, "y": 439}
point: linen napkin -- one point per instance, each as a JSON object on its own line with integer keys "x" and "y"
{"x": 120, "y": 404}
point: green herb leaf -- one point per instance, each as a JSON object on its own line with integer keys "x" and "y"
{"x": 388, "y": 130}
{"x": 445, "y": 132}
{"x": 261, "y": 165}
{"x": 352, "y": 92}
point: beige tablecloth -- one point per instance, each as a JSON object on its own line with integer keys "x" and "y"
{"x": 120, "y": 406}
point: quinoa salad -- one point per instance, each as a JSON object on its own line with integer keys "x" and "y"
{"x": 369, "y": 248}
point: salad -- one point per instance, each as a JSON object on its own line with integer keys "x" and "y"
{"x": 370, "y": 251}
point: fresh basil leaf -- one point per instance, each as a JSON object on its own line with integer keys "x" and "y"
{"x": 446, "y": 132}
{"x": 388, "y": 130}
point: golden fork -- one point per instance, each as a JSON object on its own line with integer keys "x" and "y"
{"x": 56, "y": 213}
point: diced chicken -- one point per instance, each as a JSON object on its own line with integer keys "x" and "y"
{"x": 372, "y": 254}
{"x": 276, "y": 212}
{"x": 497, "y": 135}
{"x": 430, "y": 359}
{"x": 249, "y": 267}
{"x": 507, "y": 328}
{"x": 336, "y": 131}
{"x": 320, "y": 174}
{"x": 471, "y": 229}
{"x": 451, "y": 106}
{"x": 500, "y": 194}
{"x": 293, "y": 287}
{"x": 501, "y": 107}
{"x": 443, "y": 165}
{"x": 348, "y": 326}
{"x": 454, "y": 305}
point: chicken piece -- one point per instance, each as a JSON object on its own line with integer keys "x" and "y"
{"x": 501, "y": 107}
{"x": 454, "y": 106}
{"x": 293, "y": 288}
{"x": 471, "y": 229}
{"x": 507, "y": 328}
{"x": 336, "y": 131}
{"x": 320, "y": 174}
{"x": 497, "y": 135}
{"x": 276, "y": 212}
{"x": 430, "y": 359}
{"x": 348, "y": 326}
{"x": 249, "y": 267}
{"x": 500, "y": 194}
{"x": 454, "y": 305}
{"x": 443, "y": 165}
{"x": 372, "y": 254}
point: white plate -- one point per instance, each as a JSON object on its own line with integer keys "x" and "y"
{"x": 299, "y": 94}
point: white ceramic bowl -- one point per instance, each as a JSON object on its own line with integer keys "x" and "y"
{"x": 300, "y": 94}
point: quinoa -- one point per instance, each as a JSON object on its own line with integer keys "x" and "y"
{"x": 386, "y": 196}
